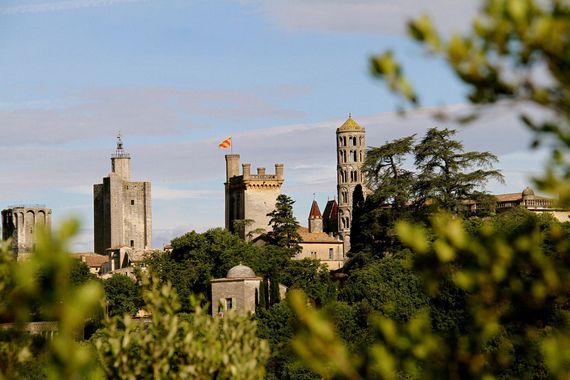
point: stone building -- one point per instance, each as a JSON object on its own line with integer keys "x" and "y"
{"x": 250, "y": 197}
{"x": 20, "y": 223}
{"x": 318, "y": 245}
{"x": 122, "y": 208}
{"x": 238, "y": 291}
{"x": 532, "y": 202}
{"x": 351, "y": 153}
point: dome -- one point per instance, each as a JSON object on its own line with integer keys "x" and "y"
{"x": 350, "y": 125}
{"x": 527, "y": 192}
{"x": 240, "y": 271}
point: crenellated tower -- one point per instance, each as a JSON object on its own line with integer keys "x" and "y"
{"x": 351, "y": 153}
{"x": 250, "y": 197}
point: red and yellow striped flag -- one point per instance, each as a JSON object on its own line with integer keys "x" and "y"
{"x": 226, "y": 143}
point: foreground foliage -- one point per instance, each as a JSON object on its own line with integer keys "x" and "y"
{"x": 180, "y": 346}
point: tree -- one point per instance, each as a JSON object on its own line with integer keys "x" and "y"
{"x": 512, "y": 281}
{"x": 122, "y": 295}
{"x": 44, "y": 282}
{"x": 284, "y": 226}
{"x": 448, "y": 176}
{"x": 498, "y": 60}
{"x": 196, "y": 258}
{"x": 173, "y": 346}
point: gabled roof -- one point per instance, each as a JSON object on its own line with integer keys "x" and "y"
{"x": 315, "y": 212}
{"x": 349, "y": 125}
{"x": 331, "y": 210}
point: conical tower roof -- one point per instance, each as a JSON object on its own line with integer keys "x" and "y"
{"x": 315, "y": 211}
{"x": 350, "y": 125}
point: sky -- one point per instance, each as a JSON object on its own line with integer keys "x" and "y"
{"x": 176, "y": 77}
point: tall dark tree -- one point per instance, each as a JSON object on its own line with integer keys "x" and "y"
{"x": 284, "y": 225}
{"x": 449, "y": 177}
{"x": 445, "y": 178}
{"x": 385, "y": 173}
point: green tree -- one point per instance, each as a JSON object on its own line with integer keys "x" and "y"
{"x": 449, "y": 177}
{"x": 284, "y": 227}
{"x": 171, "y": 346}
{"x": 198, "y": 257}
{"x": 44, "y": 282}
{"x": 122, "y": 295}
{"x": 511, "y": 279}
{"x": 79, "y": 273}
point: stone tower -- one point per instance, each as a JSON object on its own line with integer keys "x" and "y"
{"x": 250, "y": 197}
{"x": 315, "y": 218}
{"x": 20, "y": 223}
{"x": 122, "y": 209}
{"x": 351, "y": 152}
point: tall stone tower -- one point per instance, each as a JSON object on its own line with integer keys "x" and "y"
{"x": 351, "y": 152}
{"x": 122, "y": 209}
{"x": 250, "y": 197}
{"x": 20, "y": 223}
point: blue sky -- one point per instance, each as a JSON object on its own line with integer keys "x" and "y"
{"x": 177, "y": 76}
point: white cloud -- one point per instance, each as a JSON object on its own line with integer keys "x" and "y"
{"x": 188, "y": 175}
{"x": 146, "y": 111}
{"x": 55, "y": 6}
{"x": 367, "y": 16}
{"x": 164, "y": 193}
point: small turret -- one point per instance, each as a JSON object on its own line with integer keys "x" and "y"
{"x": 315, "y": 218}
{"x": 121, "y": 161}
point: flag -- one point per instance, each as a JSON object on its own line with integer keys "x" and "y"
{"x": 226, "y": 143}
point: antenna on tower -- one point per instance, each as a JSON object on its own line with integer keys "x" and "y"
{"x": 120, "y": 151}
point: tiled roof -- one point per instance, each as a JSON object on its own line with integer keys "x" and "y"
{"x": 316, "y": 237}
{"x": 331, "y": 210}
{"x": 315, "y": 211}
{"x": 509, "y": 197}
{"x": 350, "y": 124}
{"x": 93, "y": 260}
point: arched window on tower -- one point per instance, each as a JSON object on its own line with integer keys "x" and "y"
{"x": 344, "y": 156}
{"x": 354, "y": 155}
{"x": 344, "y": 195}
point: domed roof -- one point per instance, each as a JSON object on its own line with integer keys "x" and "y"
{"x": 240, "y": 271}
{"x": 527, "y": 191}
{"x": 350, "y": 125}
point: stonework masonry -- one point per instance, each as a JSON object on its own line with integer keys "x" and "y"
{"x": 20, "y": 223}
{"x": 351, "y": 153}
{"x": 250, "y": 197}
{"x": 122, "y": 209}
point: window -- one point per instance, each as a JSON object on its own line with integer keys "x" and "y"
{"x": 229, "y": 303}
{"x": 132, "y": 202}
{"x": 354, "y": 155}
{"x": 132, "y": 243}
{"x": 330, "y": 253}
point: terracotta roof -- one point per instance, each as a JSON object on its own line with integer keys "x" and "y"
{"x": 93, "y": 260}
{"x": 316, "y": 237}
{"x": 350, "y": 124}
{"x": 509, "y": 197}
{"x": 315, "y": 211}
